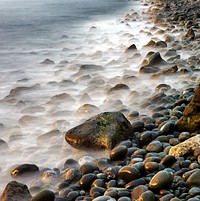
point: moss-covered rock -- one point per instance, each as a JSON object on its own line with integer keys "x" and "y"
{"x": 102, "y": 131}
{"x": 190, "y": 121}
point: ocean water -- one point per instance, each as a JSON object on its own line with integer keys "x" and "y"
{"x": 36, "y": 98}
{"x": 40, "y": 101}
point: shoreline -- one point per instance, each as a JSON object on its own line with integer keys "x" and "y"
{"x": 163, "y": 52}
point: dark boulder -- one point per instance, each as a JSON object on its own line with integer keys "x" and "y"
{"x": 104, "y": 130}
{"x": 15, "y": 191}
{"x": 190, "y": 121}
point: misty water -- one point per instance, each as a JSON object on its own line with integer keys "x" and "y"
{"x": 51, "y": 97}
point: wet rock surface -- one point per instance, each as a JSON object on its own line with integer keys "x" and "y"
{"x": 191, "y": 115}
{"x": 15, "y": 191}
{"x": 102, "y": 131}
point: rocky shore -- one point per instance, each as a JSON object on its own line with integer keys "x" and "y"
{"x": 154, "y": 156}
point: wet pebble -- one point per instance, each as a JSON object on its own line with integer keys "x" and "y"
{"x": 146, "y": 196}
{"x": 43, "y": 196}
{"x": 151, "y": 166}
{"x": 71, "y": 174}
{"x": 128, "y": 173}
{"x": 88, "y": 168}
{"x": 194, "y": 191}
{"x": 162, "y": 179}
{"x": 104, "y": 198}
{"x": 154, "y": 146}
{"x": 87, "y": 180}
{"x": 118, "y": 152}
{"x": 138, "y": 191}
{"x": 25, "y": 170}
{"x": 194, "y": 179}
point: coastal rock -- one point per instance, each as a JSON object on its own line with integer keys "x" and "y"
{"x": 149, "y": 69}
{"x": 47, "y": 62}
{"x": 190, "y": 121}
{"x": 104, "y": 130}
{"x": 3, "y": 145}
{"x": 186, "y": 147}
{"x": 24, "y": 170}
{"x": 15, "y": 191}
{"x": 131, "y": 48}
{"x": 194, "y": 179}
{"x": 162, "y": 179}
{"x": 44, "y": 195}
{"x": 129, "y": 173}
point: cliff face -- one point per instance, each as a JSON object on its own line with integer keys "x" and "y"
{"x": 191, "y": 116}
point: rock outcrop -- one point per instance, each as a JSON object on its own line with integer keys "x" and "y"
{"x": 190, "y": 121}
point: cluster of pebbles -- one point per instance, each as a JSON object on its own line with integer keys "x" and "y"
{"x": 139, "y": 168}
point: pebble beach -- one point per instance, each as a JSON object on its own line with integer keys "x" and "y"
{"x": 144, "y": 65}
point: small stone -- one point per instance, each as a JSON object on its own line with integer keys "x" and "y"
{"x": 147, "y": 196}
{"x": 194, "y": 179}
{"x": 47, "y": 62}
{"x": 104, "y": 198}
{"x": 15, "y": 191}
{"x": 87, "y": 180}
{"x": 162, "y": 179}
{"x": 151, "y": 166}
{"x": 88, "y": 168}
{"x": 138, "y": 191}
{"x": 155, "y": 146}
{"x": 168, "y": 160}
{"x": 44, "y": 195}
{"x": 118, "y": 152}
{"x": 131, "y": 48}
{"x": 25, "y": 170}
{"x": 128, "y": 173}
{"x": 194, "y": 191}
{"x": 71, "y": 174}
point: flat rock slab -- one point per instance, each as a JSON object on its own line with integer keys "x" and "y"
{"x": 102, "y": 131}
{"x": 185, "y": 147}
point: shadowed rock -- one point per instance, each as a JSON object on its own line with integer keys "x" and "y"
{"x": 15, "y": 191}
{"x": 190, "y": 121}
{"x": 104, "y": 130}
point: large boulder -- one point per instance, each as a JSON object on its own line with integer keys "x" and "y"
{"x": 102, "y": 131}
{"x": 15, "y": 191}
{"x": 190, "y": 121}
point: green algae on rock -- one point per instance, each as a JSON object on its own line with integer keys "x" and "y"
{"x": 102, "y": 131}
{"x": 190, "y": 121}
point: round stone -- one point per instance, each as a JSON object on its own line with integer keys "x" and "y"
{"x": 138, "y": 191}
{"x": 155, "y": 146}
{"x": 88, "y": 168}
{"x": 118, "y": 152}
{"x": 44, "y": 195}
{"x": 151, "y": 166}
{"x": 146, "y": 196}
{"x": 129, "y": 173}
{"x": 24, "y": 170}
{"x": 168, "y": 160}
{"x": 87, "y": 180}
{"x": 71, "y": 174}
{"x": 162, "y": 179}
{"x": 194, "y": 179}
{"x": 104, "y": 198}
{"x": 194, "y": 191}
